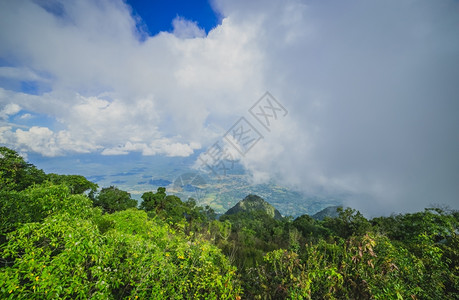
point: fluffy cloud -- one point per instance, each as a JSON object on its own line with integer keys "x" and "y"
{"x": 9, "y": 109}
{"x": 184, "y": 28}
{"x": 159, "y": 146}
{"x": 43, "y": 140}
{"x": 109, "y": 88}
{"x": 370, "y": 87}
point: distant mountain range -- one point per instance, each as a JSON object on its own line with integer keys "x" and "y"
{"x": 253, "y": 203}
{"x": 137, "y": 174}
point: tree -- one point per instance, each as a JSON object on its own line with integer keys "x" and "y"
{"x": 154, "y": 201}
{"x": 349, "y": 222}
{"x": 77, "y": 184}
{"x": 15, "y": 173}
{"x": 66, "y": 257}
{"x": 35, "y": 203}
{"x": 311, "y": 229}
{"x": 171, "y": 208}
{"x": 112, "y": 199}
{"x": 433, "y": 221}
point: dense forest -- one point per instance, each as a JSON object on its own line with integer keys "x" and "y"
{"x": 62, "y": 237}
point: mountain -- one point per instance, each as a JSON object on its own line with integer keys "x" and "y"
{"x": 254, "y": 203}
{"x": 331, "y": 211}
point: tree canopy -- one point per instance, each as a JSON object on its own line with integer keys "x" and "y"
{"x": 58, "y": 242}
{"x": 112, "y": 199}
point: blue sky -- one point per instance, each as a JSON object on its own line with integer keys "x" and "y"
{"x": 158, "y": 15}
{"x": 370, "y": 88}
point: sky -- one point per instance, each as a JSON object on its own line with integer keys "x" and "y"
{"x": 363, "y": 94}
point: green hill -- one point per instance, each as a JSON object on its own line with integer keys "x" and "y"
{"x": 254, "y": 203}
{"x": 331, "y": 211}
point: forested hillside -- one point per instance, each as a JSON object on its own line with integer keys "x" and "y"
{"x": 61, "y": 237}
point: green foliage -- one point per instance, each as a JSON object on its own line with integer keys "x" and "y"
{"x": 55, "y": 244}
{"x": 311, "y": 229}
{"x": 367, "y": 267}
{"x": 112, "y": 199}
{"x": 281, "y": 276}
{"x": 253, "y": 234}
{"x": 154, "y": 201}
{"x": 52, "y": 260}
{"x": 171, "y": 209}
{"x": 68, "y": 256}
{"x": 77, "y": 184}
{"x": 168, "y": 207}
{"x": 15, "y": 173}
{"x": 405, "y": 227}
{"x": 35, "y": 203}
{"x": 165, "y": 265}
{"x": 345, "y": 257}
{"x": 350, "y": 222}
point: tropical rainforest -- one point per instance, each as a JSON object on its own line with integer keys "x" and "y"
{"x": 63, "y": 237}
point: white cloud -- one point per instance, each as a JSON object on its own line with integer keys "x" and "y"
{"x": 5, "y": 133}
{"x": 8, "y": 110}
{"x": 26, "y": 116}
{"x": 161, "y": 146}
{"x": 109, "y": 88}
{"x": 184, "y": 28}
{"x": 369, "y": 89}
{"x": 43, "y": 140}
{"x": 19, "y": 73}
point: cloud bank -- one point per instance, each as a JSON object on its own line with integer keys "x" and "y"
{"x": 370, "y": 86}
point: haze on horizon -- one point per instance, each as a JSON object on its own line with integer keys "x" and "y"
{"x": 371, "y": 89}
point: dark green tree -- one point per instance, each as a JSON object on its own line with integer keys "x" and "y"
{"x": 349, "y": 222}
{"x": 112, "y": 199}
{"x": 311, "y": 229}
{"x": 17, "y": 174}
{"x": 154, "y": 202}
{"x": 174, "y": 210}
{"x": 167, "y": 207}
{"x": 77, "y": 184}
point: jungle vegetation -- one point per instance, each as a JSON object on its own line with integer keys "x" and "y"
{"x": 61, "y": 237}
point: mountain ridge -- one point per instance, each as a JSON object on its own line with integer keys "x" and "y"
{"x": 330, "y": 211}
{"x": 254, "y": 203}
